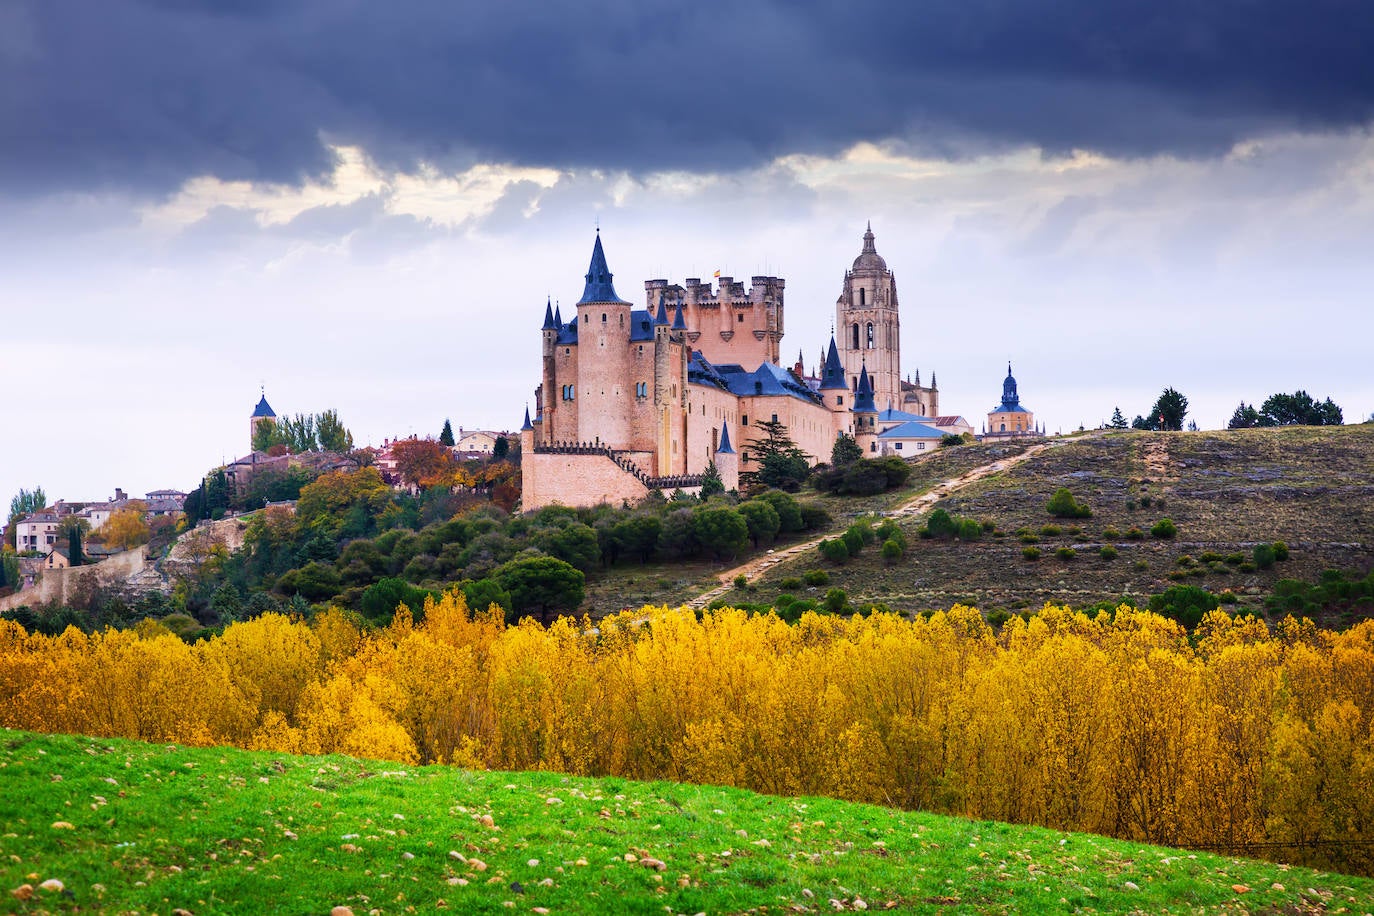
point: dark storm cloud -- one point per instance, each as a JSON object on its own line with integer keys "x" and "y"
{"x": 143, "y": 94}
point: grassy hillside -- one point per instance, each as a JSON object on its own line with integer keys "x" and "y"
{"x": 136, "y": 828}
{"x": 1226, "y": 491}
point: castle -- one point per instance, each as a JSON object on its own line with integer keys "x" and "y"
{"x": 633, "y": 400}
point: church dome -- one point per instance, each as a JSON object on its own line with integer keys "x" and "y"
{"x": 869, "y": 259}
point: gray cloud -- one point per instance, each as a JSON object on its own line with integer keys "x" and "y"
{"x": 142, "y": 94}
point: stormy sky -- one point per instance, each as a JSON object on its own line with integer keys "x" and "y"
{"x": 364, "y": 205}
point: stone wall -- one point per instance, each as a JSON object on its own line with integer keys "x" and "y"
{"x": 575, "y": 480}
{"x": 60, "y": 586}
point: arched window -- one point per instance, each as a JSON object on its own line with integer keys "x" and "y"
{"x": 861, "y": 295}
{"x": 1004, "y": 428}
{"x": 854, "y": 334}
{"x": 869, "y": 345}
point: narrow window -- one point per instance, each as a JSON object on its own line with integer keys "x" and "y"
{"x": 839, "y": 399}
{"x": 775, "y": 418}
{"x": 744, "y": 419}
{"x": 899, "y": 446}
{"x": 741, "y": 318}
{"x": 861, "y": 295}
{"x": 603, "y": 317}
{"x": 870, "y": 335}
{"x": 854, "y": 335}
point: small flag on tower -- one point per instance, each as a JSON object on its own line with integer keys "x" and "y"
{"x": 717, "y": 274}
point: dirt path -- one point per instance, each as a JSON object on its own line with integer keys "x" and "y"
{"x": 758, "y": 565}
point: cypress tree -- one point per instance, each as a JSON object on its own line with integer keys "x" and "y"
{"x": 446, "y": 437}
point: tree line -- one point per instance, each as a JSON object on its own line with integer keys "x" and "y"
{"x": 1251, "y": 740}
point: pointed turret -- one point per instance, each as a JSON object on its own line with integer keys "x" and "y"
{"x": 662, "y": 317}
{"x": 558, "y": 318}
{"x": 599, "y": 287}
{"x": 933, "y": 385}
{"x": 863, "y": 397}
{"x": 548, "y": 317}
{"x": 832, "y": 372}
{"x": 527, "y": 424}
{"x": 725, "y": 448}
{"x": 679, "y": 320}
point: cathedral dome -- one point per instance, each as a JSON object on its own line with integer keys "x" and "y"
{"x": 869, "y": 259}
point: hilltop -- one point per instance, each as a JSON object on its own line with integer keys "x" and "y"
{"x": 140, "y": 828}
{"x": 1228, "y": 491}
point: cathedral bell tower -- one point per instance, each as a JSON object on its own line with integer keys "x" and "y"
{"x": 867, "y": 325}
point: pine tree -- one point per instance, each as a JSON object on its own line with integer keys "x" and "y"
{"x": 74, "y": 546}
{"x": 446, "y": 437}
{"x": 711, "y": 484}
{"x": 1118, "y": 420}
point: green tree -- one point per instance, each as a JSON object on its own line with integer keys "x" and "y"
{"x": 227, "y": 604}
{"x": 1063, "y": 505}
{"x": 575, "y": 544}
{"x": 540, "y": 585}
{"x": 266, "y": 434}
{"x": 25, "y": 502}
{"x": 1118, "y": 421}
{"x": 446, "y": 434}
{"x": 844, "y": 451}
{"x": 762, "y": 520}
{"x": 74, "y": 554}
{"x": 1299, "y": 409}
{"x": 780, "y": 463}
{"x": 1245, "y": 417}
{"x": 1170, "y": 410}
{"x": 501, "y": 449}
{"x": 722, "y": 531}
{"x": 381, "y": 599}
{"x": 483, "y": 593}
{"x": 711, "y": 484}
{"x": 638, "y": 534}
{"x": 330, "y": 433}
{"x": 941, "y": 525}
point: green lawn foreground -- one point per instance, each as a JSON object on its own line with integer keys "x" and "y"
{"x": 135, "y": 828}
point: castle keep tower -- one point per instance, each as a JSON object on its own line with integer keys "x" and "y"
{"x": 867, "y": 325}
{"x": 263, "y": 412}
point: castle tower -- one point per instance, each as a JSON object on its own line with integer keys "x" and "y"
{"x": 263, "y": 412}
{"x": 604, "y": 369}
{"x": 869, "y": 330}
{"x": 1010, "y": 418}
{"x": 547, "y": 404}
{"x": 865, "y": 415}
{"x": 835, "y": 390}
{"x": 727, "y": 460}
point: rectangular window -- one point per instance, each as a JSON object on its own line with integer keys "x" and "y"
{"x": 920, "y": 446}
{"x": 899, "y": 446}
{"x": 744, "y": 419}
{"x": 775, "y": 418}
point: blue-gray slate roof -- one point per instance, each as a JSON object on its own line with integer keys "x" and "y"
{"x": 599, "y": 287}
{"x": 263, "y": 409}
{"x": 911, "y": 430}
{"x": 832, "y": 373}
{"x": 725, "y": 441}
{"x": 863, "y": 398}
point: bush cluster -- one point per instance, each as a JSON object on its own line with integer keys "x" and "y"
{"x": 1063, "y": 505}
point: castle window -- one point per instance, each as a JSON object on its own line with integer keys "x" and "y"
{"x": 854, "y": 342}
{"x": 1004, "y": 428}
{"x": 603, "y": 317}
{"x": 567, "y": 351}
{"x": 861, "y": 295}
{"x": 839, "y": 399}
{"x": 870, "y": 335}
{"x": 775, "y": 418}
{"x": 641, "y": 389}
{"x": 741, "y": 318}
{"x": 744, "y": 419}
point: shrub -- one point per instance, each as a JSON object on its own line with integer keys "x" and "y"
{"x": 989, "y": 525}
{"x": 853, "y": 540}
{"x": 1184, "y": 603}
{"x": 891, "y": 551}
{"x": 1051, "y": 531}
{"x": 1264, "y": 556}
{"x": 1030, "y": 538}
{"x": 835, "y": 550}
{"x": 814, "y": 517}
{"x": 1111, "y": 534}
{"x": 941, "y": 525}
{"x": 816, "y": 577}
{"x": 1164, "y": 529}
{"x": 741, "y": 581}
{"x": 1063, "y": 505}
{"x": 1234, "y": 559}
{"x": 1210, "y": 556}
{"x": 1030, "y": 553}
{"x": 1108, "y": 552}
{"x": 1246, "y": 567}
{"x": 1185, "y": 560}
{"x": 1280, "y": 551}
{"x": 1227, "y": 597}
{"x": 969, "y": 530}
{"x": 836, "y": 600}
{"x": 1145, "y": 502}
{"x": 1140, "y": 565}
{"x": 1066, "y": 553}
{"x": 790, "y": 584}
{"x": 1130, "y": 505}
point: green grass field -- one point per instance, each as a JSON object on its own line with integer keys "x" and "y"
{"x": 136, "y": 828}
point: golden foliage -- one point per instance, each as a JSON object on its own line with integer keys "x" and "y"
{"x": 1114, "y": 723}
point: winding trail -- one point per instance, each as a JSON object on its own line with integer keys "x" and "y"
{"x": 758, "y": 565}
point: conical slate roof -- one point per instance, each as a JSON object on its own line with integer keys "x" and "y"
{"x": 264, "y": 409}
{"x": 725, "y": 442}
{"x": 599, "y": 287}
{"x": 832, "y": 372}
{"x": 863, "y": 398}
